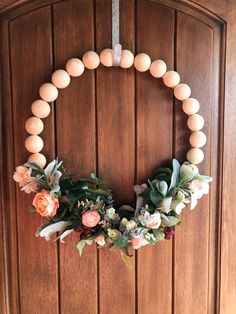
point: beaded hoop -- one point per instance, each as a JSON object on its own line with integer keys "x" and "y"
{"x": 82, "y": 205}
{"x": 142, "y": 62}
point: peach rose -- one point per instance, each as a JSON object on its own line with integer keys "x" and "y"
{"x": 90, "y": 218}
{"x": 46, "y": 204}
{"x": 138, "y": 242}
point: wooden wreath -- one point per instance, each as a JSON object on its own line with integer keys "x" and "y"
{"x": 81, "y": 205}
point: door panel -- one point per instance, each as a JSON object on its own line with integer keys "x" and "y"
{"x": 121, "y": 124}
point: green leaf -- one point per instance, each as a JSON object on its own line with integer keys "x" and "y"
{"x": 33, "y": 166}
{"x": 172, "y": 221}
{"x": 121, "y": 241}
{"x": 163, "y": 173}
{"x": 80, "y": 246}
{"x": 155, "y": 197}
{"x": 160, "y": 235}
{"x": 162, "y": 188}
{"x": 175, "y": 174}
{"x": 207, "y": 179}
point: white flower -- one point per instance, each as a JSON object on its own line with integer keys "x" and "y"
{"x": 131, "y": 225}
{"x": 188, "y": 170}
{"x": 166, "y": 203}
{"x": 198, "y": 188}
{"x": 110, "y": 212}
{"x": 151, "y": 221}
{"x": 48, "y": 231}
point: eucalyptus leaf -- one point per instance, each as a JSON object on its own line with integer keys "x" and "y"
{"x": 80, "y": 246}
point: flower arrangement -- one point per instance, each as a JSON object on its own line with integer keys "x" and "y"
{"x": 73, "y": 204}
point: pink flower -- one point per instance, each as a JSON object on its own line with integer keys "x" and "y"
{"x": 23, "y": 177}
{"x": 46, "y": 204}
{"x": 151, "y": 221}
{"x": 199, "y": 188}
{"x": 100, "y": 240}
{"x": 30, "y": 187}
{"x": 138, "y": 242}
{"x": 90, "y": 218}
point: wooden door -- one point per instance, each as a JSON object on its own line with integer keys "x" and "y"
{"x": 121, "y": 124}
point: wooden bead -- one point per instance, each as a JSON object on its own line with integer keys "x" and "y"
{"x": 106, "y": 57}
{"x": 48, "y": 92}
{"x": 142, "y": 62}
{"x": 158, "y": 68}
{"x": 171, "y": 79}
{"x": 40, "y": 108}
{"x": 191, "y": 106}
{"x": 197, "y": 139}
{"x": 34, "y": 144}
{"x": 34, "y": 125}
{"x": 39, "y": 159}
{"x": 61, "y": 79}
{"x": 182, "y": 91}
{"x": 127, "y": 59}
{"x": 91, "y": 60}
{"x": 195, "y": 122}
{"x": 195, "y": 156}
{"x": 75, "y": 67}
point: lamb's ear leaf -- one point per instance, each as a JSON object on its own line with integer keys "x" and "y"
{"x": 175, "y": 174}
{"x": 80, "y": 246}
{"x": 40, "y": 228}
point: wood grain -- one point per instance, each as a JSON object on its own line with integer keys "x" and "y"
{"x": 126, "y": 144}
{"x": 154, "y": 146}
{"x": 8, "y": 188}
{"x": 115, "y": 120}
{"x": 192, "y": 237}
{"x": 228, "y": 254}
{"x": 31, "y": 44}
{"x": 75, "y": 111}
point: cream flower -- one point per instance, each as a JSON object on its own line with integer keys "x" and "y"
{"x": 113, "y": 233}
{"x": 151, "y": 221}
{"x": 124, "y": 221}
{"x": 188, "y": 170}
{"x": 131, "y": 225}
{"x": 199, "y": 188}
